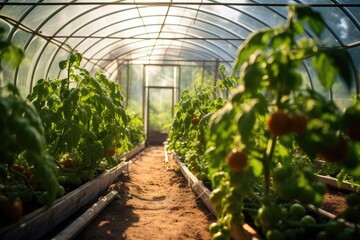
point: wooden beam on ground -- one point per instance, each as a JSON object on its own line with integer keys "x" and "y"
{"x": 80, "y": 223}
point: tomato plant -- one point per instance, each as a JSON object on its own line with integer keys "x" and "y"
{"x": 271, "y": 115}
{"x": 135, "y": 129}
{"x": 22, "y": 144}
{"x": 90, "y": 117}
{"x": 22, "y": 147}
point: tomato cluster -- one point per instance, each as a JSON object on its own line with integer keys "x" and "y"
{"x": 280, "y": 123}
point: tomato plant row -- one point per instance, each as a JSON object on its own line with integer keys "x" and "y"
{"x": 249, "y": 143}
{"x": 65, "y": 133}
{"x": 187, "y": 132}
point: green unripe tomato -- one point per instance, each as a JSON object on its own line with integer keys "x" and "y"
{"x": 321, "y": 236}
{"x": 274, "y": 234}
{"x": 297, "y": 210}
{"x": 269, "y": 216}
{"x": 220, "y": 236}
{"x": 214, "y": 228}
{"x": 308, "y": 220}
{"x": 217, "y": 195}
{"x": 60, "y": 191}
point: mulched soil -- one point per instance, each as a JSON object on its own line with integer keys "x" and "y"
{"x": 155, "y": 203}
{"x": 334, "y": 201}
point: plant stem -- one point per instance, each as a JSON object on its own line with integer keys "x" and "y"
{"x": 255, "y": 196}
{"x": 22, "y": 176}
{"x": 267, "y": 166}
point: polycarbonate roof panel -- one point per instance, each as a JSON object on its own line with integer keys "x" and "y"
{"x": 107, "y": 32}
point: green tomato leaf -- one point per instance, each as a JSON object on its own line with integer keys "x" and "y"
{"x": 12, "y": 54}
{"x": 246, "y": 124}
{"x": 252, "y": 76}
{"x": 94, "y": 153}
{"x": 256, "y": 167}
{"x": 63, "y": 64}
{"x": 312, "y": 18}
{"x": 282, "y": 40}
{"x": 72, "y": 136}
{"x": 258, "y": 41}
{"x": 341, "y": 61}
{"x": 325, "y": 69}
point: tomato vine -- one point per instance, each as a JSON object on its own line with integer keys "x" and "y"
{"x": 269, "y": 117}
{"x": 23, "y": 159}
{"x": 84, "y": 118}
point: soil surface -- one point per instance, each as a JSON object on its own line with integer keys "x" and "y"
{"x": 155, "y": 203}
{"x": 334, "y": 201}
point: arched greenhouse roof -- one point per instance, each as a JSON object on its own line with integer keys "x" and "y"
{"x": 109, "y": 33}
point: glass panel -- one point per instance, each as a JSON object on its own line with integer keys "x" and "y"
{"x": 27, "y": 66}
{"x": 15, "y": 12}
{"x": 112, "y": 29}
{"x": 54, "y": 70}
{"x": 162, "y": 76}
{"x": 188, "y": 77}
{"x": 71, "y": 18}
{"x": 340, "y": 24}
{"x": 39, "y": 14}
{"x": 102, "y": 17}
{"x": 44, "y": 61}
{"x": 136, "y": 89}
{"x": 160, "y": 113}
{"x": 92, "y": 50}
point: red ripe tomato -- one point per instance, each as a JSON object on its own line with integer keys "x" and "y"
{"x": 21, "y": 170}
{"x": 298, "y": 124}
{"x": 67, "y": 163}
{"x": 279, "y": 123}
{"x": 237, "y": 161}
{"x": 111, "y": 152}
{"x": 13, "y": 210}
{"x": 195, "y": 121}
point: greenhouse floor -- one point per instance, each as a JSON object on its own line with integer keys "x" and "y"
{"x": 154, "y": 203}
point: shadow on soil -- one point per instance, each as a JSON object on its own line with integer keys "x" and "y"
{"x": 113, "y": 221}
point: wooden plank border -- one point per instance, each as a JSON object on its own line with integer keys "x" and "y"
{"x": 81, "y": 222}
{"x": 331, "y": 181}
{"x": 37, "y": 223}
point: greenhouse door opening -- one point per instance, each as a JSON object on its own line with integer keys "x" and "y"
{"x": 161, "y": 94}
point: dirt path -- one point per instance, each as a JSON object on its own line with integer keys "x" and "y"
{"x": 155, "y": 203}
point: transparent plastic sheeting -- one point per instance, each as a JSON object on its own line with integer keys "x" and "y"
{"x": 111, "y": 33}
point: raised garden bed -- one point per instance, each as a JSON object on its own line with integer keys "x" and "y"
{"x": 345, "y": 185}
{"x": 37, "y": 223}
{"x": 246, "y": 231}
{"x": 332, "y": 181}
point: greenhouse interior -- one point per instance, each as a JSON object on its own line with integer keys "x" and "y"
{"x": 180, "y": 119}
